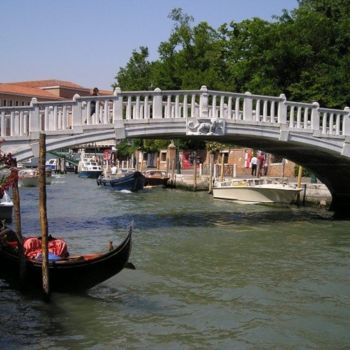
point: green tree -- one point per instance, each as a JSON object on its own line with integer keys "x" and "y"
{"x": 136, "y": 74}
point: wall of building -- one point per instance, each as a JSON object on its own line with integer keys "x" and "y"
{"x": 7, "y": 100}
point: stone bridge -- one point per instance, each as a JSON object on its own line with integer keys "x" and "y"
{"x": 315, "y": 137}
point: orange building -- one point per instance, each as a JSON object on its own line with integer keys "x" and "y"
{"x": 21, "y": 93}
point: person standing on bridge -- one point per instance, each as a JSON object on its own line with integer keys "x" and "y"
{"x": 95, "y": 92}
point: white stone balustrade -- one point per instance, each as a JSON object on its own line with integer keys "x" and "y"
{"x": 108, "y": 111}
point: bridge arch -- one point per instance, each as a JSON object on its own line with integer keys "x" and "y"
{"x": 317, "y": 138}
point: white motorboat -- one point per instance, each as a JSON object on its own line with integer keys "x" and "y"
{"x": 88, "y": 167}
{"x": 29, "y": 177}
{"x": 256, "y": 190}
{"x": 6, "y": 206}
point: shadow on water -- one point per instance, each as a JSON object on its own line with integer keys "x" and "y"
{"x": 197, "y": 218}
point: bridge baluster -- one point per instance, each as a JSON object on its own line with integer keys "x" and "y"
{"x": 222, "y": 107}
{"x": 177, "y": 106}
{"x": 291, "y": 117}
{"x": 229, "y": 108}
{"x": 128, "y": 108}
{"x": 306, "y": 118}
{"x": 64, "y": 120}
{"x": 331, "y": 124}
{"x": 20, "y": 124}
{"x": 145, "y": 108}
{"x": 265, "y": 111}
{"x": 185, "y": 106}
{"x": 55, "y": 118}
{"x": 168, "y": 107}
{"x": 324, "y": 122}
{"x": 299, "y": 117}
{"x": 213, "y": 107}
{"x": 12, "y": 128}
{"x": 237, "y": 108}
{"x": 2, "y": 124}
{"x": 337, "y": 124}
{"x": 105, "y": 114}
{"x": 87, "y": 111}
{"x": 272, "y": 111}
{"x": 257, "y": 110}
{"x": 193, "y": 105}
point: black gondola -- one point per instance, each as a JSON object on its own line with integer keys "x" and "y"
{"x": 134, "y": 181}
{"x": 76, "y": 273}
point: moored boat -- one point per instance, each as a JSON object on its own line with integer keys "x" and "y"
{"x": 89, "y": 167}
{"x": 255, "y": 190}
{"x": 133, "y": 181}
{"x": 72, "y": 273}
{"x": 156, "y": 178}
{"x": 6, "y": 207}
{"x": 29, "y": 177}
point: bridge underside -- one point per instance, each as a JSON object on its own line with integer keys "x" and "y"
{"x": 329, "y": 167}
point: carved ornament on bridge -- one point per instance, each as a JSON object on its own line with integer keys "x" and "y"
{"x": 205, "y": 126}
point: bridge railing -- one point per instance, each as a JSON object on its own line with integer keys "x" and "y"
{"x": 108, "y": 111}
{"x": 14, "y": 121}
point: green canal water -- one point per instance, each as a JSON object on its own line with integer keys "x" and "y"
{"x": 210, "y": 274}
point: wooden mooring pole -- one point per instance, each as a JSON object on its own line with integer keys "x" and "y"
{"x": 18, "y": 223}
{"x": 43, "y": 216}
{"x": 211, "y": 163}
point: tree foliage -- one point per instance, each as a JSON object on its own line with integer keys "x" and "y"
{"x": 304, "y": 53}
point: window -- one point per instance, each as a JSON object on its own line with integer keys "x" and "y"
{"x": 162, "y": 156}
{"x": 225, "y": 155}
{"x": 276, "y": 159}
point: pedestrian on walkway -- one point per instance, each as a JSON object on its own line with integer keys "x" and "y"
{"x": 253, "y": 165}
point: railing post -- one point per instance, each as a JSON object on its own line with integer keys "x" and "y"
{"x": 77, "y": 113}
{"x": 2, "y": 124}
{"x": 203, "y": 103}
{"x": 117, "y": 105}
{"x": 157, "y": 106}
{"x": 346, "y": 122}
{"x": 315, "y": 117}
{"x": 34, "y": 117}
{"x": 282, "y": 110}
{"x": 248, "y": 107}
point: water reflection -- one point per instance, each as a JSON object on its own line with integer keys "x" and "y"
{"x": 210, "y": 275}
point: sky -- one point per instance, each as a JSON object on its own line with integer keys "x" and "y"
{"x": 88, "y": 41}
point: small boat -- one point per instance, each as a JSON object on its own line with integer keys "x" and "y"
{"x": 73, "y": 273}
{"x": 29, "y": 177}
{"x": 132, "y": 181}
{"x": 156, "y": 178}
{"x": 255, "y": 190}
{"x": 88, "y": 167}
{"x": 6, "y": 207}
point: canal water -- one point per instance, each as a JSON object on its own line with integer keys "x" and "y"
{"x": 210, "y": 274}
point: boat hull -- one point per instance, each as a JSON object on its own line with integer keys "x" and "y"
{"x": 131, "y": 182}
{"x": 257, "y": 194}
{"x": 156, "y": 178}
{"x": 68, "y": 275}
{"x": 90, "y": 174}
{"x": 6, "y": 212}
